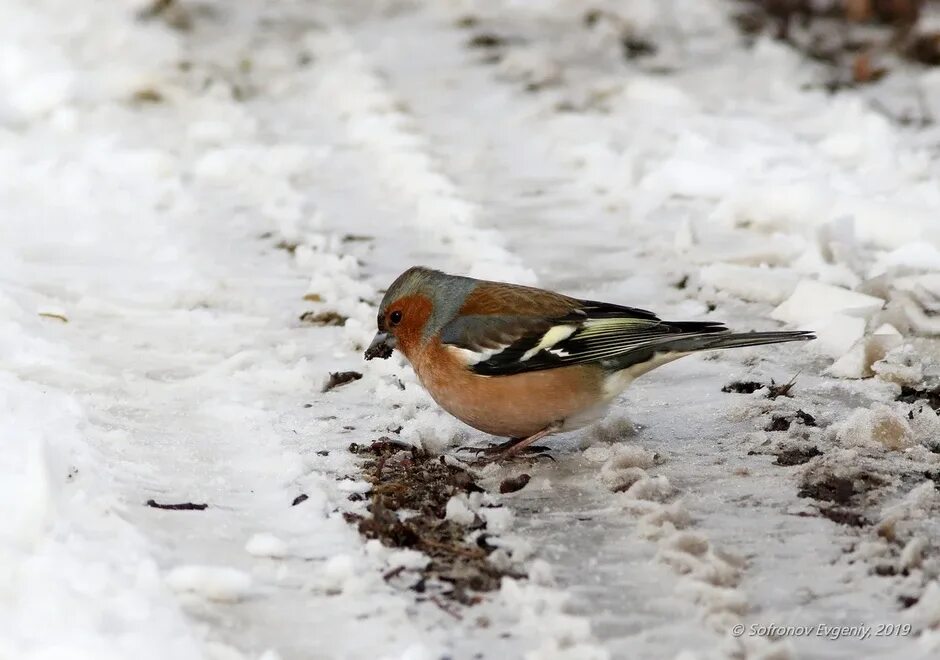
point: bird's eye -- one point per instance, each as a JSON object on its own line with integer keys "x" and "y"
{"x": 395, "y": 317}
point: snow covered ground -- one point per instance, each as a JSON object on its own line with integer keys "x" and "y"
{"x": 175, "y": 192}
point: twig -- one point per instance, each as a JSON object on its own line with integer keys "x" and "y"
{"x": 183, "y": 506}
{"x": 436, "y": 601}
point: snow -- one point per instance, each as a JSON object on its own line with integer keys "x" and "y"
{"x": 266, "y": 544}
{"x": 218, "y": 583}
{"x": 170, "y": 213}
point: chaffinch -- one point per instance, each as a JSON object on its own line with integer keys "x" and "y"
{"x": 523, "y": 362}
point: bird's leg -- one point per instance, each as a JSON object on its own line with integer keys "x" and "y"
{"x": 520, "y": 445}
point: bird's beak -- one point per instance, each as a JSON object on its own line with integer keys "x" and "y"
{"x": 381, "y": 346}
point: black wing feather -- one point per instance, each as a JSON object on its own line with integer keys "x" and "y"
{"x": 600, "y": 332}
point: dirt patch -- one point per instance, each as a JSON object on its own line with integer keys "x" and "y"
{"x": 750, "y": 386}
{"x": 796, "y": 455}
{"x": 329, "y": 318}
{"x": 913, "y": 395}
{"x": 828, "y": 487}
{"x": 842, "y": 516}
{"x": 407, "y": 481}
{"x": 838, "y": 495}
{"x": 783, "y": 422}
{"x": 339, "y": 378}
{"x": 856, "y": 39}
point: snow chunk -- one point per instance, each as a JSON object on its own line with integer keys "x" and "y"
{"x": 596, "y": 453}
{"x": 217, "y": 583}
{"x": 916, "y": 255}
{"x": 631, "y": 456}
{"x": 901, "y": 365}
{"x": 655, "y": 488}
{"x": 613, "y": 429}
{"x": 913, "y": 553}
{"x": 879, "y": 426}
{"x": 664, "y": 521}
{"x": 619, "y": 476}
{"x": 814, "y": 300}
{"x": 458, "y": 509}
{"x": 771, "y": 285}
{"x": 409, "y": 559}
{"x": 337, "y": 573}
{"x": 498, "y": 519}
{"x": 927, "y": 610}
{"x": 656, "y": 92}
{"x": 858, "y": 361}
{"x": 266, "y": 545}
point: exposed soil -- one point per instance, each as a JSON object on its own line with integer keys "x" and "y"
{"x": 796, "y": 455}
{"x": 407, "y": 506}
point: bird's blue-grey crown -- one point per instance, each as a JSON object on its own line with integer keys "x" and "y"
{"x": 447, "y": 293}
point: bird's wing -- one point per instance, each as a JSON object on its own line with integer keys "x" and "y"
{"x": 499, "y": 344}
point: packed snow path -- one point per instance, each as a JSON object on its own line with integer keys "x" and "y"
{"x": 168, "y": 217}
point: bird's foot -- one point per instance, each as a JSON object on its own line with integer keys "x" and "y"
{"x": 493, "y": 447}
{"x": 505, "y": 451}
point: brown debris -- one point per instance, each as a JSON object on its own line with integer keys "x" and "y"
{"x": 635, "y": 48}
{"x": 513, "y": 484}
{"x": 183, "y": 506}
{"x": 147, "y": 95}
{"x": 407, "y": 480}
{"x": 751, "y": 386}
{"x": 381, "y": 350}
{"x": 467, "y": 22}
{"x": 323, "y": 318}
{"x": 339, "y": 378}
{"x": 782, "y": 422}
{"x": 864, "y": 71}
{"x": 486, "y": 40}
{"x": 742, "y": 387}
{"x": 925, "y": 48}
{"x": 845, "y": 35}
{"x": 52, "y": 315}
{"x": 170, "y": 12}
{"x": 288, "y": 246}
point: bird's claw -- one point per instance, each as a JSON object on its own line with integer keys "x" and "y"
{"x": 501, "y": 453}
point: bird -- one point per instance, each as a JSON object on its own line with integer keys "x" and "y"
{"x": 524, "y": 363}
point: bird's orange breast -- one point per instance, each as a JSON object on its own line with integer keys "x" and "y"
{"x": 511, "y": 406}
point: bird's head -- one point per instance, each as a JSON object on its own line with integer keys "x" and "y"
{"x": 417, "y": 304}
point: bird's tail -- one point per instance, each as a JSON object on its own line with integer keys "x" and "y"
{"x": 692, "y": 338}
{"x": 711, "y": 341}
